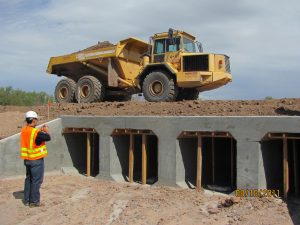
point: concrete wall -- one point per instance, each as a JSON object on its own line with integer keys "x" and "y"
{"x": 247, "y": 131}
{"x": 58, "y": 153}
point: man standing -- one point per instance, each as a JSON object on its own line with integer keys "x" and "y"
{"x": 33, "y": 151}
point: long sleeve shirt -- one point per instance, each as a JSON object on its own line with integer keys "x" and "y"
{"x": 41, "y": 137}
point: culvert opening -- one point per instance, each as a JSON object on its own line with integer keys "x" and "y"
{"x": 280, "y": 153}
{"x": 83, "y": 146}
{"x": 209, "y": 160}
{"x": 137, "y": 152}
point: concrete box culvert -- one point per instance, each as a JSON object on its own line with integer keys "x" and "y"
{"x": 83, "y": 148}
{"x": 251, "y": 160}
{"x": 217, "y": 169}
{"x": 136, "y": 156}
{"x": 281, "y": 158}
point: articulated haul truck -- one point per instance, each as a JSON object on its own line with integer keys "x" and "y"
{"x": 171, "y": 67}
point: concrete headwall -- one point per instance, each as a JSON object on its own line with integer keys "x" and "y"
{"x": 247, "y": 131}
{"x": 11, "y": 164}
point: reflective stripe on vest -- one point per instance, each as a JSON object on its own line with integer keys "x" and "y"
{"x": 29, "y": 150}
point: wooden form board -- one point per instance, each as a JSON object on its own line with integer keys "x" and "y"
{"x": 282, "y": 136}
{"x": 131, "y": 131}
{"x": 131, "y": 158}
{"x": 70, "y": 130}
{"x": 88, "y": 156}
{"x": 144, "y": 159}
{"x": 199, "y": 163}
{"x": 219, "y": 134}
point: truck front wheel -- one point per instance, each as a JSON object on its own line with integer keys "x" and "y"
{"x": 65, "y": 91}
{"x": 159, "y": 87}
{"x": 89, "y": 89}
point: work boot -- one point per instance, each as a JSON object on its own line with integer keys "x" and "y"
{"x": 38, "y": 204}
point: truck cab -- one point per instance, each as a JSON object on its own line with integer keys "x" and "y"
{"x": 181, "y": 56}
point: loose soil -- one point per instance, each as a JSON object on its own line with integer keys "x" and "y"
{"x": 12, "y": 117}
{"x": 81, "y": 200}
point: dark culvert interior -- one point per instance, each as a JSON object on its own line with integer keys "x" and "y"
{"x": 122, "y": 146}
{"x": 218, "y": 162}
{"x": 77, "y": 146}
{"x": 273, "y": 161}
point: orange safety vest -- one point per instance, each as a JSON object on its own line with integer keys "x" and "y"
{"x": 29, "y": 150}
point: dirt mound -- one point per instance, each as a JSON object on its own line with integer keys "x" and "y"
{"x": 103, "y": 44}
{"x": 274, "y": 107}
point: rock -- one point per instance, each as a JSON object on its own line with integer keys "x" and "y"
{"x": 228, "y": 202}
{"x": 213, "y": 211}
{"x": 235, "y": 200}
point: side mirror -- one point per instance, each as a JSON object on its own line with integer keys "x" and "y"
{"x": 200, "y": 47}
{"x": 170, "y": 33}
{"x": 170, "y": 36}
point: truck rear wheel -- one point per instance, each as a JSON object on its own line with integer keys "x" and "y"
{"x": 89, "y": 89}
{"x": 187, "y": 94}
{"x": 65, "y": 91}
{"x": 159, "y": 87}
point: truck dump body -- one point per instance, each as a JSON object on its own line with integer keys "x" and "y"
{"x": 126, "y": 55}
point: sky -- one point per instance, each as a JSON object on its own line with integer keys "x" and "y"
{"x": 260, "y": 36}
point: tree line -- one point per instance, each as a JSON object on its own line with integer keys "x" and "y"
{"x": 10, "y": 96}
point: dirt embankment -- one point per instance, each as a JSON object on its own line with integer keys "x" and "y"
{"x": 12, "y": 117}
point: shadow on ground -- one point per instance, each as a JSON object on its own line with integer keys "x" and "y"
{"x": 18, "y": 194}
{"x": 288, "y": 112}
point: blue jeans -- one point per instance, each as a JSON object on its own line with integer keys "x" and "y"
{"x": 34, "y": 179}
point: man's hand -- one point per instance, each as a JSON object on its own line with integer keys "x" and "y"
{"x": 45, "y": 128}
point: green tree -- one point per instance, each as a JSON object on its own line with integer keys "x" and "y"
{"x": 10, "y": 96}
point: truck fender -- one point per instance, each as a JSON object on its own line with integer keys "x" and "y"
{"x": 153, "y": 67}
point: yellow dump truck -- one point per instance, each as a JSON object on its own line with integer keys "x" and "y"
{"x": 172, "y": 66}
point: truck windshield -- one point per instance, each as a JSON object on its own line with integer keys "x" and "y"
{"x": 189, "y": 45}
{"x": 173, "y": 45}
{"x": 166, "y": 45}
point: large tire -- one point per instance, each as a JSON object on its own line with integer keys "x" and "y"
{"x": 187, "y": 94}
{"x": 89, "y": 89}
{"x": 159, "y": 87}
{"x": 65, "y": 91}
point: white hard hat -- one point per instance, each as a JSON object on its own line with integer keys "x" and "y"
{"x": 31, "y": 114}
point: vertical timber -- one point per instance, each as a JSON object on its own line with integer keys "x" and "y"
{"x": 131, "y": 158}
{"x": 144, "y": 159}
{"x": 88, "y": 158}
{"x": 199, "y": 163}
